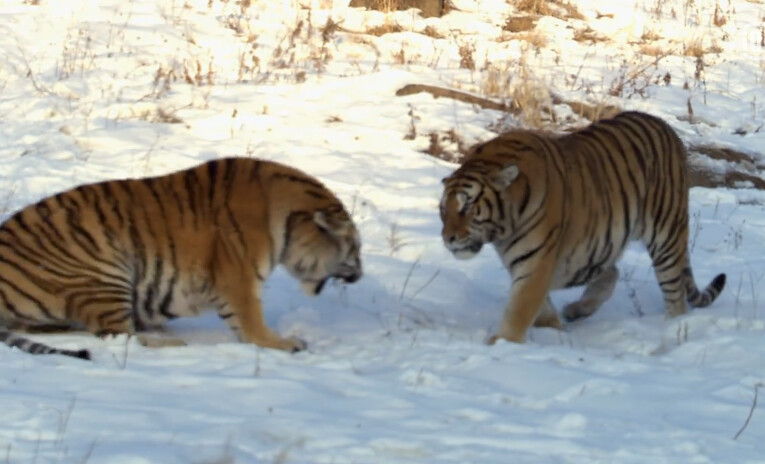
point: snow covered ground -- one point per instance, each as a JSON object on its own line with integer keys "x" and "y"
{"x": 397, "y": 370}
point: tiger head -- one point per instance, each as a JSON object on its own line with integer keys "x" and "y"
{"x": 472, "y": 207}
{"x": 320, "y": 246}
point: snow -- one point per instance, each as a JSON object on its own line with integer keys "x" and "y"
{"x": 397, "y": 369}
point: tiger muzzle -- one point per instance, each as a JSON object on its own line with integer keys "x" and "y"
{"x": 464, "y": 249}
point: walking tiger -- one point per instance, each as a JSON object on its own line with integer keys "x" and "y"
{"x": 561, "y": 210}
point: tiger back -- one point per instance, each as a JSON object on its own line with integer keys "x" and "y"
{"x": 124, "y": 256}
{"x": 561, "y": 210}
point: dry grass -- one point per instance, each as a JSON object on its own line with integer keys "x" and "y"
{"x": 590, "y": 112}
{"x": 77, "y": 54}
{"x": 467, "y": 50}
{"x": 588, "y": 35}
{"x": 383, "y": 29}
{"x": 495, "y": 82}
{"x": 715, "y": 48}
{"x": 432, "y": 32}
{"x": 636, "y": 75}
{"x": 557, "y": 8}
{"x": 448, "y": 146}
{"x": 428, "y": 8}
{"x": 719, "y": 19}
{"x": 534, "y": 38}
{"x": 694, "y": 47}
{"x": 520, "y": 23}
{"x": 649, "y": 35}
{"x": 651, "y": 50}
{"x": 530, "y": 97}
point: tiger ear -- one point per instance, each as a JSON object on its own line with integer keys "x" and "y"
{"x": 332, "y": 223}
{"x": 321, "y": 220}
{"x": 505, "y": 176}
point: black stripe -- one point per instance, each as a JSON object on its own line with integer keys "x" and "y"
{"x": 165, "y": 306}
{"x": 530, "y": 253}
{"x": 191, "y": 182}
{"x": 212, "y": 174}
{"x": 31, "y": 298}
{"x": 254, "y": 171}
{"x": 109, "y": 196}
{"x": 298, "y": 179}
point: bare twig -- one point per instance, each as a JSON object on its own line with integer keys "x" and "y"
{"x": 408, "y": 276}
{"x": 31, "y": 74}
{"x": 432, "y": 278}
{"x": 751, "y": 410}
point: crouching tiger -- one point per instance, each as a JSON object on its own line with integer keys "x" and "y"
{"x": 560, "y": 211}
{"x": 124, "y": 256}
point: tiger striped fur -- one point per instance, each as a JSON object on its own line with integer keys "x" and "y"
{"x": 124, "y": 256}
{"x": 560, "y": 211}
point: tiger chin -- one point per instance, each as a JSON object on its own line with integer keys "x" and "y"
{"x": 559, "y": 211}
{"x": 124, "y": 256}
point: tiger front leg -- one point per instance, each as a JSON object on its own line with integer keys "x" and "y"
{"x": 244, "y": 316}
{"x": 238, "y": 289}
{"x": 528, "y": 304}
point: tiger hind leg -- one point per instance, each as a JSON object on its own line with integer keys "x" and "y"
{"x": 103, "y": 310}
{"x": 598, "y": 290}
{"x": 158, "y": 340}
{"x": 668, "y": 265}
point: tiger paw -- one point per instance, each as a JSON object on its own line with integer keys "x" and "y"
{"x": 575, "y": 311}
{"x": 154, "y": 340}
{"x": 548, "y": 320}
{"x": 107, "y": 334}
{"x": 510, "y": 338}
{"x": 493, "y": 339}
{"x": 291, "y": 344}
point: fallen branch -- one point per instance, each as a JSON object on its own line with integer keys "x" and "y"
{"x": 585, "y": 110}
{"x": 437, "y": 92}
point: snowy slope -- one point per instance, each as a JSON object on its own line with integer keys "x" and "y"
{"x": 397, "y": 369}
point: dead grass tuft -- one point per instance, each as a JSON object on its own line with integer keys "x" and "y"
{"x": 556, "y": 8}
{"x": 520, "y": 23}
{"x": 467, "y": 50}
{"x": 383, "y": 29}
{"x": 649, "y": 35}
{"x": 694, "y": 47}
{"x": 431, "y": 31}
{"x": 534, "y": 38}
{"x": 651, "y": 50}
{"x": 447, "y": 146}
{"x": 719, "y": 19}
{"x": 588, "y": 35}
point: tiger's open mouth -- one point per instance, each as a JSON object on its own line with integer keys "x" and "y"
{"x": 349, "y": 278}
{"x": 466, "y": 251}
{"x": 313, "y": 287}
